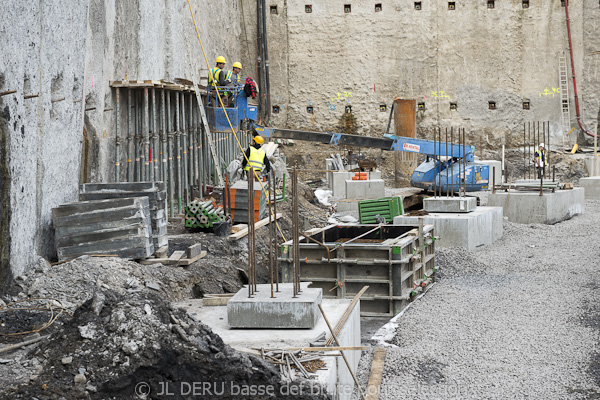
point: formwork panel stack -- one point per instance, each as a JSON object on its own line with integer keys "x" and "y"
{"x": 238, "y": 196}
{"x": 119, "y": 227}
{"x": 154, "y": 191}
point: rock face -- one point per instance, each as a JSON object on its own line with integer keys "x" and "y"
{"x": 471, "y": 55}
{"x": 134, "y": 353}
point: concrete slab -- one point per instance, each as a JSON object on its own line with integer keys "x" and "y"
{"x": 591, "y": 186}
{"x": 370, "y": 189}
{"x": 335, "y": 376}
{"x": 450, "y": 204}
{"x": 281, "y": 312}
{"x": 531, "y": 208}
{"x": 473, "y": 230}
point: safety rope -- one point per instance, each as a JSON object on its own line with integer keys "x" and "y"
{"x": 229, "y": 122}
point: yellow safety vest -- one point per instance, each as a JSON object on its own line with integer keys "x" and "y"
{"x": 230, "y": 73}
{"x": 538, "y": 155}
{"x": 214, "y": 77}
{"x": 257, "y": 158}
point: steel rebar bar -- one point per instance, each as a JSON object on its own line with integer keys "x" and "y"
{"x": 295, "y": 229}
{"x": 271, "y": 250}
{"x": 275, "y": 238}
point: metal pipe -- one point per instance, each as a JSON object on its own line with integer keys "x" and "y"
{"x": 118, "y": 139}
{"x": 524, "y": 165}
{"x": 155, "y": 145}
{"x": 163, "y": 141}
{"x": 192, "y": 143}
{"x": 529, "y": 150}
{"x": 178, "y": 153}
{"x": 440, "y": 159}
{"x": 129, "y": 138}
{"x": 138, "y": 132}
{"x": 275, "y": 238}
{"x": 577, "y": 112}
{"x": 548, "y": 146}
{"x": 184, "y": 172}
{"x": 170, "y": 156}
{"x": 266, "y": 63}
{"x": 146, "y": 133}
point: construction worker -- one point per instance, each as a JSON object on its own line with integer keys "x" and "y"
{"x": 541, "y": 160}
{"x": 233, "y": 78}
{"x": 256, "y": 157}
{"x": 215, "y": 77}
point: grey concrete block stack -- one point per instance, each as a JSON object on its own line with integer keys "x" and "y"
{"x": 238, "y": 197}
{"x": 118, "y": 227}
{"x": 155, "y": 191}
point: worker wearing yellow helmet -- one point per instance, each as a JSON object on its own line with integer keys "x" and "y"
{"x": 216, "y": 77}
{"x": 256, "y": 157}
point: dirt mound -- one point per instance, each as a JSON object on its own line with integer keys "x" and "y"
{"x": 138, "y": 346}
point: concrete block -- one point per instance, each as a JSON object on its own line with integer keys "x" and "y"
{"x": 337, "y": 182}
{"x": 591, "y": 163}
{"x": 371, "y": 189}
{"x": 450, "y": 204}
{"x": 348, "y": 205}
{"x": 473, "y": 230}
{"x": 591, "y": 186}
{"x": 531, "y": 208}
{"x": 283, "y": 311}
{"x": 491, "y": 164}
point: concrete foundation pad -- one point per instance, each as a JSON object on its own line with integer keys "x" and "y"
{"x": 591, "y": 186}
{"x": 472, "y": 230}
{"x": 282, "y": 311}
{"x": 335, "y": 376}
{"x": 450, "y": 204}
{"x": 531, "y": 208}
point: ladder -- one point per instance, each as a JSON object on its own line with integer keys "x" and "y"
{"x": 564, "y": 95}
{"x": 209, "y": 138}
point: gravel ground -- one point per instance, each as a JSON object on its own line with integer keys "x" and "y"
{"x": 519, "y": 319}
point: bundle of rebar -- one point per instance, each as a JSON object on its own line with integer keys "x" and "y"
{"x": 203, "y": 214}
{"x": 291, "y": 363}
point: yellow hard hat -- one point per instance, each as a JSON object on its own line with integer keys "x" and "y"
{"x": 259, "y": 139}
{"x": 237, "y": 65}
{"x": 221, "y": 59}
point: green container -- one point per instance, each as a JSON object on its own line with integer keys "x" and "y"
{"x": 387, "y": 207}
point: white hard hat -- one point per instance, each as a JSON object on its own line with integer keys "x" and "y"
{"x": 542, "y": 145}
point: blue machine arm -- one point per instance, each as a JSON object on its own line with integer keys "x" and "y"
{"x": 431, "y": 148}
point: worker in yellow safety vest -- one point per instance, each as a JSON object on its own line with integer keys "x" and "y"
{"x": 215, "y": 76}
{"x": 233, "y": 78}
{"x": 541, "y": 160}
{"x": 257, "y": 159}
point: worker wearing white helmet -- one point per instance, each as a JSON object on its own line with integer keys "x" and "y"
{"x": 541, "y": 160}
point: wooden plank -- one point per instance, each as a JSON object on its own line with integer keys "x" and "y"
{"x": 238, "y": 227}
{"x": 188, "y": 261}
{"x": 244, "y": 232}
{"x": 149, "y": 261}
{"x": 176, "y": 256}
{"x": 376, "y": 373}
{"x": 162, "y": 252}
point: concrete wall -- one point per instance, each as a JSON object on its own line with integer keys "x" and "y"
{"x": 473, "y": 54}
{"x": 40, "y": 136}
{"x": 72, "y": 49}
